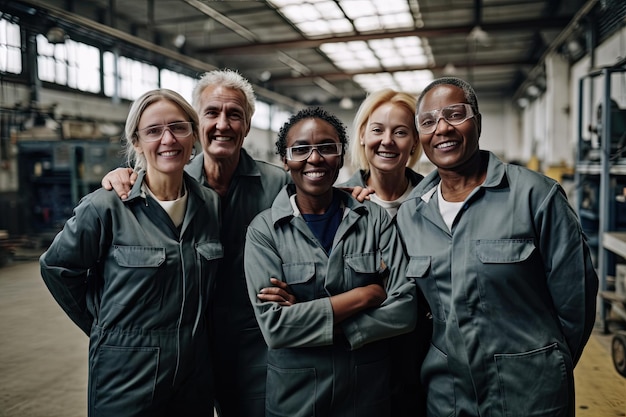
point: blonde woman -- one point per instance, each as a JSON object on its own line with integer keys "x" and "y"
{"x": 384, "y": 147}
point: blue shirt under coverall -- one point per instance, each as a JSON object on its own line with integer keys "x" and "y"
{"x": 312, "y": 371}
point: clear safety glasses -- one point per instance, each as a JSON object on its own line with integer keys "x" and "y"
{"x": 302, "y": 152}
{"x": 454, "y": 114}
{"x": 154, "y": 133}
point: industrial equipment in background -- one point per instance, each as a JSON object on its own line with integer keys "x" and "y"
{"x": 54, "y": 161}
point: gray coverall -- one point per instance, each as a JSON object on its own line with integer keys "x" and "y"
{"x": 140, "y": 288}
{"x": 409, "y": 349}
{"x": 512, "y": 291}
{"x": 238, "y": 346}
{"x": 311, "y": 371}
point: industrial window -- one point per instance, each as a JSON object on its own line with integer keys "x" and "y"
{"x": 71, "y": 63}
{"x": 279, "y": 117}
{"x": 269, "y": 117}
{"x": 10, "y": 47}
{"x": 261, "y": 117}
{"x": 127, "y": 77}
{"x": 178, "y": 82}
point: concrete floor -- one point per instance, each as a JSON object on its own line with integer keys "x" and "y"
{"x": 43, "y": 356}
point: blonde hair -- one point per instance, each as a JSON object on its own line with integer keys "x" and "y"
{"x": 135, "y": 159}
{"x": 371, "y": 103}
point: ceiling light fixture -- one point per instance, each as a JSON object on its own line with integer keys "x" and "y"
{"x": 478, "y": 35}
{"x": 449, "y": 69}
{"x": 523, "y": 102}
{"x": 265, "y": 76}
{"x": 346, "y": 103}
{"x": 56, "y": 35}
{"x": 533, "y": 90}
{"x": 179, "y": 40}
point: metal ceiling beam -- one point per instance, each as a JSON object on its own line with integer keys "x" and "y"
{"x": 228, "y": 23}
{"x": 538, "y": 69}
{"x": 504, "y": 26}
{"x": 116, "y": 34}
{"x": 60, "y": 15}
{"x": 346, "y": 75}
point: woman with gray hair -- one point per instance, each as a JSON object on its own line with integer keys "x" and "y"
{"x": 136, "y": 275}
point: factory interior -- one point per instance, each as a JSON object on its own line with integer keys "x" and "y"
{"x": 550, "y": 76}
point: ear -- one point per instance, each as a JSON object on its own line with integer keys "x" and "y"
{"x": 285, "y": 166}
{"x": 137, "y": 147}
{"x": 479, "y": 123}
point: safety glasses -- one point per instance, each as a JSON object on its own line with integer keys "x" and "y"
{"x": 455, "y": 114}
{"x": 154, "y": 133}
{"x": 303, "y": 152}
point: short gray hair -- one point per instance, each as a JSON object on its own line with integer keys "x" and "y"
{"x": 229, "y": 79}
{"x": 468, "y": 90}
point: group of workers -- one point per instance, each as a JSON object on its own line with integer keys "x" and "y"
{"x": 219, "y": 281}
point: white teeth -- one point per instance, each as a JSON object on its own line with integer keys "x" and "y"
{"x": 387, "y": 155}
{"x": 221, "y": 138}
{"x": 169, "y": 153}
{"x": 315, "y": 174}
{"x": 445, "y": 145}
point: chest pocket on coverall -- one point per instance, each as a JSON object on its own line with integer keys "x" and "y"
{"x": 208, "y": 252}
{"x": 138, "y": 268}
{"x": 365, "y": 269}
{"x": 301, "y": 279}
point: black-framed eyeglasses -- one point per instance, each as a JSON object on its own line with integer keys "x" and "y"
{"x": 154, "y": 133}
{"x": 454, "y": 114}
{"x": 302, "y": 152}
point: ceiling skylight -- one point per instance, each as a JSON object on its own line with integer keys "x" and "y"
{"x": 409, "y": 81}
{"x": 315, "y": 18}
{"x": 379, "y": 53}
{"x": 383, "y": 55}
{"x": 324, "y": 18}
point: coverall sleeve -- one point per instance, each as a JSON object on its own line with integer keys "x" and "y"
{"x": 304, "y": 324}
{"x": 398, "y": 313}
{"x": 572, "y": 279}
{"x": 70, "y": 262}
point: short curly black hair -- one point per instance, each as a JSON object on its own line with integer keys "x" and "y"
{"x": 311, "y": 113}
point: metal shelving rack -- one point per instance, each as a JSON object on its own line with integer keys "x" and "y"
{"x": 608, "y": 172}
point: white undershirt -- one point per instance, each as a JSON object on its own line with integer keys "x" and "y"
{"x": 448, "y": 210}
{"x": 393, "y": 205}
{"x": 174, "y": 208}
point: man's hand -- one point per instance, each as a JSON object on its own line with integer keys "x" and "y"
{"x": 121, "y": 180}
{"x": 278, "y": 293}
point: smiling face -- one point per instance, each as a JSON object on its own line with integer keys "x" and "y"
{"x": 169, "y": 155}
{"x": 223, "y": 122}
{"x": 389, "y": 137}
{"x": 315, "y": 176}
{"x": 449, "y": 147}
